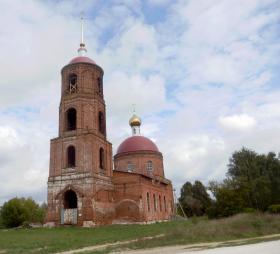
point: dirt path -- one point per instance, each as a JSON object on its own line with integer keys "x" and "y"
{"x": 271, "y": 247}
{"x": 174, "y": 249}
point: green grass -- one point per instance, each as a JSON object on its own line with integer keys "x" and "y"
{"x": 176, "y": 232}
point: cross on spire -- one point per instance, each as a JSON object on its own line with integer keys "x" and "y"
{"x": 82, "y": 49}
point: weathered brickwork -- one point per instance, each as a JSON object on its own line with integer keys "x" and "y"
{"x": 83, "y": 189}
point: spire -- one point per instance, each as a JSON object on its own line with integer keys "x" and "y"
{"x": 82, "y": 49}
{"x": 135, "y": 123}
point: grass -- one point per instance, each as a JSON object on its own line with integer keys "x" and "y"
{"x": 194, "y": 230}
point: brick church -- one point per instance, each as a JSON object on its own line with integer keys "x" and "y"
{"x": 86, "y": 187}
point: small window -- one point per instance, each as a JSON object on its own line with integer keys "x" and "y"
{"x": 164, "y": 200}
{"x": 148, "y": 201}
{"x": 71, "y": 116}
{"x": 101, "y": 158}
{"x": 130, "y": 166}
{"x": 159, "y": 200}
{"x": 101, "y": 122}
{"x": 150, "y": 166}
{"x": 100, "y": 86}
{"x": 72, "y": 87}
{"x": 71, "y": 157}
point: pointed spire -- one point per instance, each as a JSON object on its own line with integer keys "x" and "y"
{"x": 82, "y": 49}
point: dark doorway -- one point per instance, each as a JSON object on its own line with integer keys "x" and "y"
{"x": 71, "y": 156}
{"x": 70, "y": 200}
{"x": 71, "y": 116}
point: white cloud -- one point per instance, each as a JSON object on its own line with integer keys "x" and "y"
{"x": 240, "y": 122}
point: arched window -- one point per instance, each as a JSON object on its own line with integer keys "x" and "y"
{"x": 149, "y": 166}
{"x": 70, "y": 200}
{"x": 155, "y": 202}
{"x": 101, "y": 158}
{"x": 101, "y": 122}
{"x": 159, "y": 200}
{"x": 71, "y": 157}
{"x": 100, "y": 86}
{"x": 72, "y": 85}
{"x": 148, "y": 201}
{"x": 71, "y": 116}
{"x": 130, "y": 166}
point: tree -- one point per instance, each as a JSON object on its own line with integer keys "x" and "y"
{"x": 228, "y": 199}
{"x": 16, "y": 211}
{"x": 194, "y": 198}
{"x": 253, "y": 181}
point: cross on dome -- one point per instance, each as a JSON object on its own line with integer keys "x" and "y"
{"x": 82, "y": 49}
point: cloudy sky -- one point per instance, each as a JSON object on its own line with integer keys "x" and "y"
{"x": 204, "y": 75}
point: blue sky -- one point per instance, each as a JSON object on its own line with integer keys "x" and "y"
{"x": 204, "y": 76}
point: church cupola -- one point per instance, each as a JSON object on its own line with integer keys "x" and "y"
{"x": 135, "y": 123}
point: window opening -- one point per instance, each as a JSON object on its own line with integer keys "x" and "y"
{"x": 148, "y": 201}
{"x": 71, "y": 157}
{"x": 71, "y": 116}
{"x": 155, "y": 202}
{"x": 130, "y": 166}
{"x": 101, "y": 123}
{"x": 150, "y": 166}
{"x": 100, "y": 86}
{"x": 101, "y": 158}
{"x": 73, "y": 88}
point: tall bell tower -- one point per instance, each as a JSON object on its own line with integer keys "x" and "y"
{"x": 80, "y": 190}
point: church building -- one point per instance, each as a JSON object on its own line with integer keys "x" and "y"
{"x": 87, "y": 186}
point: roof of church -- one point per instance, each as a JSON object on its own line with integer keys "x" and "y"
{"x": 82, "y": 59}
{"x": 137, "y": 143}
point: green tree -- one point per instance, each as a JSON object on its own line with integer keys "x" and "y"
{"x": 16, "y": 211}
{"x": 253, "y": 181}
{"x": 13, "y": 213}
{"x": 194, "y": 198}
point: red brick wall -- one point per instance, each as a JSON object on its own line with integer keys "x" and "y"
{"x": 134, "y": 187}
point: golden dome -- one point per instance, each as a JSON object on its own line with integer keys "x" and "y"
{"x": 135, "y": 120}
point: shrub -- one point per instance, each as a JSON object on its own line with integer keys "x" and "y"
{"x": 274, "y": 208}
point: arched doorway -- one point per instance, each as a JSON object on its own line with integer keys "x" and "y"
{"x": 70, "y": 208}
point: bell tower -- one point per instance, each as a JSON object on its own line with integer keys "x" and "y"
{"x": 80, "y": 189}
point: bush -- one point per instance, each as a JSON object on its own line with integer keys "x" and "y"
{"x": 17, "y": 211}
{"x": 274, "y": 208}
